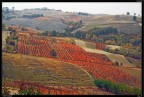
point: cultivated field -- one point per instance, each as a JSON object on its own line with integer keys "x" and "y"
{"x": 39, "y": 69}
{"x": 111, "y": 56}
{"x": 49, "y": 72}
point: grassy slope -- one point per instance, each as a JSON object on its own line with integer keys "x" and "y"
{"x": 47, "y": 71}
{"x": 53, "y": 22}
{"x": 137, "y": 63}
{"x": 43, "y": 70}
{"x": 122, "y": 22}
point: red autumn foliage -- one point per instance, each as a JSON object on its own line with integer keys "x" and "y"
{"x": 45, "y": 90}
{"x": 100, "y": 46}
{"x": 97, "y": 64}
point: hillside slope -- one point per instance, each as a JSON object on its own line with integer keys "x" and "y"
{"x": 52, "y": 20}
{"x": 49, "y": 72}
{"x": 39, "y": 69}
{"x": 111, "y": 56}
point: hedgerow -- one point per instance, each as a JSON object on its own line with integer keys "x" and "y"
{"x": 116, "y": 88}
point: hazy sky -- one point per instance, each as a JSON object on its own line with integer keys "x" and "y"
{"x": 89, "y": 7}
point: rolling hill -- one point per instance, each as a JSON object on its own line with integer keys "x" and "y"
{"x": 51, "y": 20}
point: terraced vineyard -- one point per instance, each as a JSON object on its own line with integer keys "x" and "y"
{"x": 54, "y": 75}
{"x": 72, "y": 66}
{"x": 75, "y": 54}
{"x": 49, "y": 51}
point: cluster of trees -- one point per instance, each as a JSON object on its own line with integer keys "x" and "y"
{"x": 11, "y": 40}
{"x": 94, "y": 33}
{"x": 134, "y": 17}
{"x": 132, "y": 53}
{"x": 11, "y": 43}
{"x": 3, "y": 26}
{"x": 50, "y": 33}
{"x": 72, "y": 25}
{"x": 32, "y": 15}
{"x": 13, "y": 31}
{"x": 102, "y": 31}
{"x": 83, "y": 13}
{"x": 5, "y": 10}
{"x": 8, "y": 17}
{"x": 120, "y": 89}
{"x": 6, "y": 13}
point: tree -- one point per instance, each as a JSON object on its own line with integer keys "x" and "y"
{"x": 10, "y": 29}
{"x": 3, "y": 26}
{"x": 116, "y": 50}
{"x": 24, "y": 29}
{"x": 65, "y": 34}
{"x": 121, "y": 64}
{"x": 94, "y": 37}
{"x": 134, "y": 18}
{"x": 53, "y": 53}
{"x": 36, "y": 27}
{"x": 54, "y": 33}
{"x": 116, "y": 63}
{"x": 78, "y": 34}
{"x": 45, "y": 33}
{"x": 80, "y": 21}
{"x": 13, "y": 8}
{"x": 7, "y": 10}
{"x": 128, "y": 13}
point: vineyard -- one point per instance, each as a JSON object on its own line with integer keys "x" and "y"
{"x": 39, "y": 89}
{"x": 44, "y": 90}
{"x": 100, "y": 46}
{"x": 98, "y": 64}
{"x": 108, "y": 73}
{"x": 49, "y": 51}
{"x": 39, "y": 46}
{"x": 33, "y": 45}
{"x": 53, "y": 75}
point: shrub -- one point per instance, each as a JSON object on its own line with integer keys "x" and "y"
{"x": 116, "y": 63}
{"x": 53, "y": 53}
{"x": 99, "y": 83}
{"x": 120, "y": 89}
{"x": 136, "y": 91}
{"x": 29, "y": 91}
{"x": 5, "y": 91}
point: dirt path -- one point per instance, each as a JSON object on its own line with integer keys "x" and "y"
{"x": 113, "y": 47}
{"x": 137, "y": 69}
